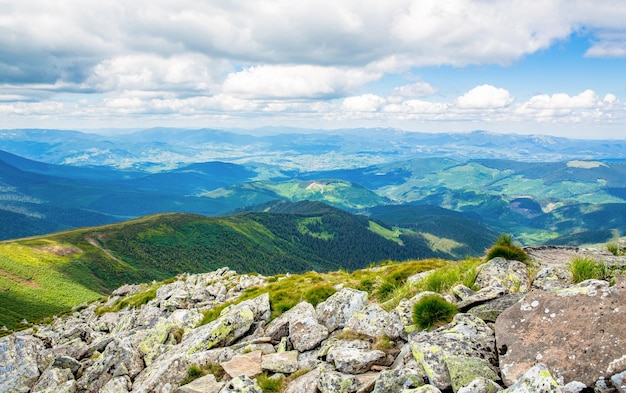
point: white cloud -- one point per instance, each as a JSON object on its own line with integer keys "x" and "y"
{"x": 417, "y": 89}
{"x": 363, "y": 103}
{"x": 485, "y": 97}
{"x": 295, "y": 81}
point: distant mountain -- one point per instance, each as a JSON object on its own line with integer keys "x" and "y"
{"x": 47, "y": 274}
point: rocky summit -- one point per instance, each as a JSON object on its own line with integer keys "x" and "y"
{"x": 523, "y": 328}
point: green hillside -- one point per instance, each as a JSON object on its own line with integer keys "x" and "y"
{"x": 43, "y": 275}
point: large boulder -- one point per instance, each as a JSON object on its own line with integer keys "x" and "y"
{"x": 512, "y": 275}
{"x": 301, "y": 325}
{"x": 335, "y": 311}
{"x": 578, "y": 333}
{"x": 18, "y": 362}
{"x": 536, "y": 379}
{"x": 466, "y": 336}
{"x": 373, "y": 321}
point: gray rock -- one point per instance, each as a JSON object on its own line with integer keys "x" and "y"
{"x": 550, "y": 278}
{"x": 481, "y": 385}
{"x": 67, "y": 362}
{"x": 537, "y": 379}
{"x": 55, "y": 380}
{"x": 464, "y": 370}
{"x": 300, "y": 323}
{"x": 241, "y": 384}
{"x": 490, "y": 310}
{"x": 306, "y": 383}
{"x": 282, "y": 362}
{"x": 485, "y": 294}
{"x": 512, "y": 275}
{"x": 157, "y": 378}
{"x": 466, "y": 336}
{"x": 354, "y": 360}
{"x": 335, "y": 311}
{"x": 577, "y": 332}
{"x": 18, "y": 362}
{"x": 372, "y": 321}
{"x": 423, "y": 389}
{"x": 462, "y": 292}
{"x": 336, "y": 382}
{"x": 395, "y": 381}
{"x": 119, "y": 384}
{"x": 573, "y": 387}
{"x": 205, "y": 384}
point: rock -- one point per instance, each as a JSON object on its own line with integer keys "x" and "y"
{"x": 512, "y": 275}
{"x": 466, "y": 336}
{"x": 234, "y": 322}
{"x": 53, "y": 379}
{"x": 335, "y": 311}
{"x": 205, "y": 384}
{"x": 423, "y": 389}
{"x": 537, "y": 379}
{"x": 395, "y": 381}
{"x": 241, "y": 384}
{"x": 373, "y": 321}
{"x": 574, "y": 387}
{"x": 18, "y": 362}
{"x": 248, "y": 364}
{"x": 336, "y": 382}
{"x": 117, "y": 385}
{"x": 118, "y": 359}
{"x": 283, "y": 362}
{"x": 157, "y": 378}
{"x": 464, "y": 370}
{"x": 462, "y": 292}
{"x": 67, "y": 362}
{"x": 619, "y": 381}
{"x": 481, "y": 385}
{"x": 354, "y": 360}
{"x": 404, "y": 312}
{"x": 301, "y": 325}
{"x": 550, "y": 278}
{"x": 487, "y": 293}
{"x": 126, "y": 290}
{"x": 306, "y": 383}
{"x": 578, "y": 333}
{"x": 490, "y": 310}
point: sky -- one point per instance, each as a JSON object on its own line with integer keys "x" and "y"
{"x": 554, "y": 67}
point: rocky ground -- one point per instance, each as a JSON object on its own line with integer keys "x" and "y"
{"x": 525, "y": 330}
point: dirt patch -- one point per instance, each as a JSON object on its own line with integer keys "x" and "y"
{"x": 562, "y": 255}
{"x": 59, "y": 250}
{"x": 20, "y": 280}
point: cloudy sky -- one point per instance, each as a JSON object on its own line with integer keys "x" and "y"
{"x": 551, "y": 66}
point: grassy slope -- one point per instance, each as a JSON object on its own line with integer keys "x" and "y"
{"x": 43, "y": 275}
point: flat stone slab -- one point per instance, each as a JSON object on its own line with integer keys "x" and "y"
{"x": 578, "y": 333}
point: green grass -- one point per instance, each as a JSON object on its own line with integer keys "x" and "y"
{"x": 270, "y": 384}
{"x": 433, "y": 311}
{"x": 585, "y": 268}
{"x": 505, "y": 248}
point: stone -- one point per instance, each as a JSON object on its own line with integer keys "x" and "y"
{"x": 337, "y": 382}
{"x": 574, "y": 387}
{"x": 578, "y": 333}
{"x": 354, "y": 360}
{"x": 241, "y": 384}
{"x": 205, "y": 384}
{"x": 490, "y": 310}
{"x": 335, "y": 311}
{"x": 550, "y": 278}
{"x": 462, "y": 292}
{"x": 306, "y": 383}
{"x": 67, "y": 362}
{"x": 464, "y": 370}
{"x": 481, "y": 385}
{"x": 536, "y": 380}
{"x": 619, "y": 381}
{"x": 301, "y": 325}
{"x": 423, "y": 389}
{"x": 466, "y": 336}
{"x": 485, "y": 294}
{"x": 372, "y": 321}
{"x": 157, "y": 377}
{"x": 55, "y": 380}
{"x": 395, "y": 381}
{"x": 18, "y": 362}
{"x": 282, "y": 362}
{"x": 248, "y": 364}
{"x": 117, "y": 385}
{"x": 512, "y": 275}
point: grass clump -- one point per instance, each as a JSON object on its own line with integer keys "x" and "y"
{"x": 433, "y": 311}
{"x": 195, "y": 371}
{"x": 269, "y": 384}
{"x": 505, "y": 248}
{"x": 319, "y": 293}
{"x": 585, "y": 268}
{"x": 615, "y": 249}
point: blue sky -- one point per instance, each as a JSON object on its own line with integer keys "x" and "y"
{"x": 551, "y": 67}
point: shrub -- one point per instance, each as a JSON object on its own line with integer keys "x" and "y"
{"x": 433, "y": 311}
{"x": 586, "y": 268}
{"x": 505, "y": 248}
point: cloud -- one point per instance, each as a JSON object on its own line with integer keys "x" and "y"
{"x": 608, "y": 45}
{"x": 295, "y": 81}
{"x": 485, "y": 97}
{"x": 417, "y": 89}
